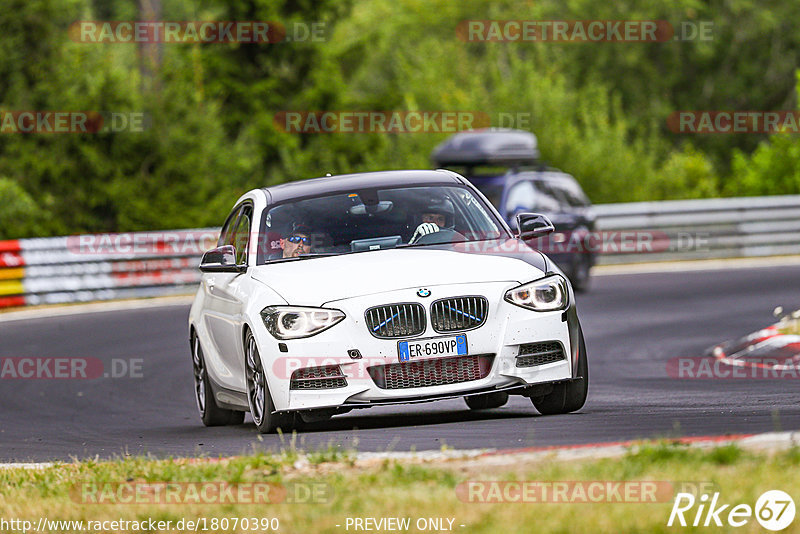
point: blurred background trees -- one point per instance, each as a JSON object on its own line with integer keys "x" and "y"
{"x": 599, "y": 110}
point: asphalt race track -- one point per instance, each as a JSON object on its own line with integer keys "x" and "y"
{"x": 634, "y": 323}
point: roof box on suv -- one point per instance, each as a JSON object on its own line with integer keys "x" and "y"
{"x": 490, "y": 146}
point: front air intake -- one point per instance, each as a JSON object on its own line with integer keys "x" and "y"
{"x": 434, "y": 372}
{"x": 457, "y": 314}
{"x": 533, "y": 354}
{"x": 327, "y": 377}
{"x": 396, "y": 320}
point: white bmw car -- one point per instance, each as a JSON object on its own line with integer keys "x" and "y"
{"x": 370, "y": 289}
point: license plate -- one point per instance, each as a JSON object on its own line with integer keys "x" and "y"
{"x": 432, "y": 347}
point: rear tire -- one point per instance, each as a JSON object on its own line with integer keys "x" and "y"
{"x": 569, "y": 396}
{"x": 487, "y": 401}
{"x": 210, "y": 412}
{"x": 261, "y": 405}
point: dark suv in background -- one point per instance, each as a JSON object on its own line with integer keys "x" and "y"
{"x": 504, "y": 164}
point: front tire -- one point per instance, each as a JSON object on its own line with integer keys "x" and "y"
{"x": 261, "y": 405}
{"x": 569, "y": 396}
{"x": 210, "y": 412}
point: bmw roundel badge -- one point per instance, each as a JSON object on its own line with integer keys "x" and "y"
{"x": 424, "y": 292}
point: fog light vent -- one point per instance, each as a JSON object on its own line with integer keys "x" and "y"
{"x": 327, "y": 377}
{"x": 533, "y": 354}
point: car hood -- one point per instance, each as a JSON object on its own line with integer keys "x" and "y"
{"x": 316, "y": 281}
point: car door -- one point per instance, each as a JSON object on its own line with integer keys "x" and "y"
{"x": 224, "y": 301}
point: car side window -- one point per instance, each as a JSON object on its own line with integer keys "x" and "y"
{"x": 241, "y": 235}
{"x": 226, "y": 235}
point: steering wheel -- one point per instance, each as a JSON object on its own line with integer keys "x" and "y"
{"x": 444, "y": 235}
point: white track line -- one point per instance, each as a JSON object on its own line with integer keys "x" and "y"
{"x": 696, "y": 265}
{"x": 766, "y": 442}
{"x": 96, "y": 307}
{"x": 41, "y": 465}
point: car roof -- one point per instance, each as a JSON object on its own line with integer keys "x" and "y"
{"x": 354, "y": 182}
{"x": 487, "y": 146}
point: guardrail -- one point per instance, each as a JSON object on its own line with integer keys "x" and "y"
{"x": 86, "y": 268}
{"x": 706, "y": 228}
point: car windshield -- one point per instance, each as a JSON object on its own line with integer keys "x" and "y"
{"x": 527, "y": 195}
{"x": 376, "y": 219}
{"x": 568, "y": 191}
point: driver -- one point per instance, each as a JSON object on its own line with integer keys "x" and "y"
{"x": 436, "y": 215}
{"x": 296, "y": 242}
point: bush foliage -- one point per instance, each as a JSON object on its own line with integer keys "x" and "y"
{"x": 599, "y": 109}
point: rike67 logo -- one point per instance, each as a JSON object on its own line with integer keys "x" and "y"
{"x": 774, "y": 510}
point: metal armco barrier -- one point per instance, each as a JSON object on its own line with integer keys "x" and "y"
{"x": 704, "y": 229}
{"x": 86, "y": 268}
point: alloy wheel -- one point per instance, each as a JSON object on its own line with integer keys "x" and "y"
{"x": 256, "y": 385}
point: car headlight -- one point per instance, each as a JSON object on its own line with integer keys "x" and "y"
{"x": 293, "y": 322}
{"x": 546, "y": 294}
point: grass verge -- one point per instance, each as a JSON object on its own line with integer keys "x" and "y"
{"x": 320, "y": 490}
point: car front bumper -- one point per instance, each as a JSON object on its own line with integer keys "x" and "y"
{"x": 498, "y": 344}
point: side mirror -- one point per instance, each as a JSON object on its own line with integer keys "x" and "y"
{"x": 221, "y": 260}
{"x": 533, "y": 225}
